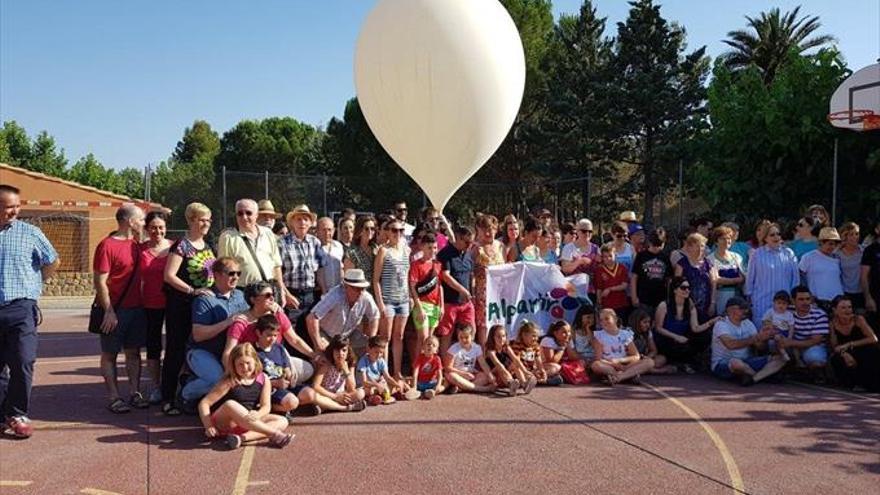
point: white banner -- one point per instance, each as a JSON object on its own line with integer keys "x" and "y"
{"x": 536, "y": 292}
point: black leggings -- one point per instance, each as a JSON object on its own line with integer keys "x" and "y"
{"x": 688, "y": 352}
{"x": 155, "y": 320}
{"x": 178, "y": 327}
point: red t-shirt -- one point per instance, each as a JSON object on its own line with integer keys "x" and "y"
{"x": 116, "y": 257}
{"x": 418, "y": 273}
{"x": 429, "y": 368}
{"x": 153, "y": 275}
{"x": 247, "y": 332}
{"x": 609, "y": 277}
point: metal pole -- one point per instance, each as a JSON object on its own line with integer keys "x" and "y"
{"x": 680, "y": 195}
{"x": 589, "y": 198}
{"x": 834, "y": 188}
{"x": 266, "y": 181}
{"x": 326, "y": 213}
{"x": 224, "y": 196}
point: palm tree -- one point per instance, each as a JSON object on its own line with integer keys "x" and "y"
{"x": 774, "y": 37}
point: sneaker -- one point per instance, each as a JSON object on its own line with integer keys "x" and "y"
{"x": 428, "y": 394}
{"x": 310, "y": 410}
{"x": 554, "y": 381}
{"x": 746, "y": 380}
{"x": 530, "y": 385}
{"x": 138, "y": 401}
{"x": 636, "y": 380}
{"x": 233, "y": 442}
{"x": 357, "y": 406}
{"x": 512, "y": 387}
{"x": 155, "y": 397}
{"x": 688, "y": 369}
{"x": 18, "y": 427}
{"x": 452, "y": 390}
{"x": 374, "y": 400}
{"x": 289, "y": 417}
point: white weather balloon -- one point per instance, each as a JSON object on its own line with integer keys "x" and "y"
{"x": 440, "y": 83}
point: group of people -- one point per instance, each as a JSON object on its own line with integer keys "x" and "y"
{"x": 307, "y": 314}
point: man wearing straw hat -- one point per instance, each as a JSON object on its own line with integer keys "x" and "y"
{"x": 266, "y": 214}
{"x": 301, "y": 260}
{"x": 343, "y": 310}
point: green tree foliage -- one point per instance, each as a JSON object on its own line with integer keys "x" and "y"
{"x": 89, "y": 172}
{"x": 277, "y": 144}
{"x": 45, "y": 158}
{"x": 199, "y": 144}
{"x": 772, "y": 37}
{"x": 770, "y": 150}
{"x": 654, "y": 98}
{"x": 16, "y": 147}
{"x": 176, "y": 184}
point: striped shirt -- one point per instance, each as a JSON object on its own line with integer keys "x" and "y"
{"x": 770, "y": 270}
{"x": 394, "y": 277}
{"x": 24, "y": 251}
{"x": 300, "y": 260}
{"x": 808, "y": 326}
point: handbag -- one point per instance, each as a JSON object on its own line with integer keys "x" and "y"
{"x": 96, "y": 315}
{"x": 574, "y": 372}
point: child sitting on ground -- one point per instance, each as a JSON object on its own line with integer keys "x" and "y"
{"x": 238, "y": 406}
{"x": 556, "y": 347}
{"x": 372, "y": 374}
{"x": 528, "y": 351}
{"x": 427, "y": 370}
{"x": 460, "y": 364}
{"x": 618, "y": 359}
{"x": 584, "y": 326}
{"x": 334, "y": 379}
{"x": 504, "y": 365}
{"x": 640, "y": 322}
{"x": 286, "y": 394}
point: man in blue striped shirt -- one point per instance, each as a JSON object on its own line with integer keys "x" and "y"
{"x": 810, "y": 330}
{"x": 27, "y": 259}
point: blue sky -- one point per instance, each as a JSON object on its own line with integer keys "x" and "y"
{"x": 123, "y": 79}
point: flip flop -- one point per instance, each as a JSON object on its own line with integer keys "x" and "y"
{"x": 171, "y": 410}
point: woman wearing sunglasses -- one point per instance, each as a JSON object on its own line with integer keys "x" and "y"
{"x": 680, "y": 336}
{"x": 772, "y": 268}
{"x": 391, "y": 290}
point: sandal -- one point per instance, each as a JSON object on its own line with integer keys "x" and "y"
{"x": 138, "y": 401}
{"x": 281, "y": 439}
{"x": 171, "y": 410}
{"x": 118, "y": 406}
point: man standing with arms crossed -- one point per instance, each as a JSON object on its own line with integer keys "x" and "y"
{"x": 28, "y": 259}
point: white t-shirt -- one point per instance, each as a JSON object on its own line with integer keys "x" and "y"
{"x": 465, "y": 359}
{"x": 336, "y": 317}
{"x": 823, "y": 275}
{"x": 782, "y": 322}
{"x": 332, "y": 269}
{"x": 583, "y": 346}
{"x": 614, "y": 346}
{"x": 721, "y": 353}
{"x": 550, "y": 343}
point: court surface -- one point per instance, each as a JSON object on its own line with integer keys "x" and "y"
{"x": 673, "y": 434}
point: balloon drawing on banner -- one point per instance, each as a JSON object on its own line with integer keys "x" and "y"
{"x": 440, "y": 83}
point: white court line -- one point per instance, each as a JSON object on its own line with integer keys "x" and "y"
{"x": 836, "y": 391}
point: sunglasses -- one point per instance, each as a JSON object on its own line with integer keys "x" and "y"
{"x": 585, "y": 231}
{"x": 233, "y": 273}
{"x": 619, "y": 236}
{"x": 684, "y": 287}
{"x": 267, "y": 295}
{"x": 401, "y": 209}
{"x": 773, "y": 234}
{"x": 399, "y": 231}
{"x": 244, "y": 213}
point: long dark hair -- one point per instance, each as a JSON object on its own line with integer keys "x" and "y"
{"x": 584, "y": 309}
{"x": 670, "y": 297}
{"x": 338, "y": 342}
{"x": 490, "y": 340}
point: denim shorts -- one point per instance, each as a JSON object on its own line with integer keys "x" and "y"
{"x": 130, "y": 331}
{"x": 399, "y": 309}
{"x": 423, "y": 386}
{"x": 722, "y": 369}
{"x": 817, "y": 354}
{"x": 279, "y": 394}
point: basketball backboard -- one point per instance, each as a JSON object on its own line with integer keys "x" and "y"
{"x": 855, "y": 104}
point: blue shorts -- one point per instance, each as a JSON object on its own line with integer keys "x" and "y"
{"x": 130, "y": 331}
{"x": 722, "y": 369}
{"x": 279, "y": 394}
{"x": 817, "y": 354}
{"x": 400, "y": 309}
{"x": 423, "y": 386}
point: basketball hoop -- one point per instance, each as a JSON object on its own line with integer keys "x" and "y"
{"x": 867, "y": 118}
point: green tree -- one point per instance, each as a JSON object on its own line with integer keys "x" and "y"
{"x": 653, "y": 102}
{"x": 769, "y": 39}
{"x": 17, "y": 145}
{"x": 770, "y": 149}
{"x": 277, "y": 144}
{"x": 198, "y": 144}
{"x": 89, "y": 171}
{"x": 129, "y": 182}
{"x": 45, "y": 158}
